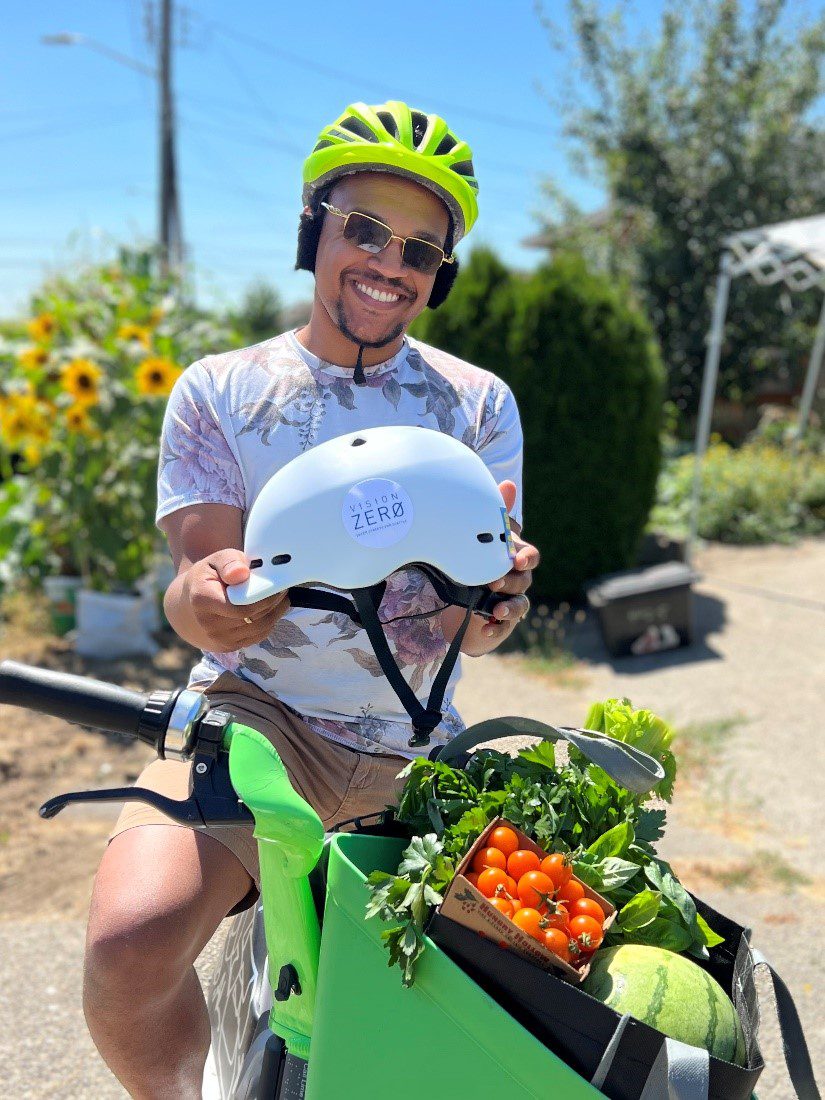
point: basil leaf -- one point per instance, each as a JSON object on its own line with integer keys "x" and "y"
{"x": 614, "y": 842}
{"x": 640, "y": 911}
{"x": 663, "y": 880}
{"x": 709, "y": 937}
{"x": 662, "y": 933}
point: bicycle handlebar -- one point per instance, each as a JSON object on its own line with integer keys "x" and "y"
{"x": 88, "y": 702}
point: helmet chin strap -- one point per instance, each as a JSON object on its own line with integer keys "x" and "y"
{"x": 359, "y": 377}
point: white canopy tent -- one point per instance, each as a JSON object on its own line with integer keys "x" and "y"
{"x": 792, "y": 253}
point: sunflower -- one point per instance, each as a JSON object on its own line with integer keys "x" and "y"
{"x": 141, "y": 333}
{"x": 31, "y": 358}
{"x": 42, "y": 327}
{"x": 80, "y": 379}
{"x": 155, "y": 377}
{"x": 24, "y": 421}
{"x": 77, "y": 419}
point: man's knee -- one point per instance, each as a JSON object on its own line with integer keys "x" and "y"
{"x": 159, "y": 895}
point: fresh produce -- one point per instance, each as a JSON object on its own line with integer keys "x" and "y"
{"x": 672, "y": 994}
{"x": 573, "y": 810}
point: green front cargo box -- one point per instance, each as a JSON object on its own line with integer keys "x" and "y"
{"x": 373, "y": 1039}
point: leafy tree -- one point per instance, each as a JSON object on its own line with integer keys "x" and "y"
{"x": 705, "y": 129}
{"x": 260, "y": 314}
{"x": 586, "y": 375}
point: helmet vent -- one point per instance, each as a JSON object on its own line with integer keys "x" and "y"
{"x": 323, "y": 144}
{"x": 356, "y": 126}
{"x": 359, "y": 442}
{"x": 281, "y": 559}
{"x": 420, "y": 122}
{"x": 447, "y": 143}
{"x": 464, "y": 168}
{"x": 256, "y": 563}
{"x": 388, "y": 122}
{"x": 485, "y": 536}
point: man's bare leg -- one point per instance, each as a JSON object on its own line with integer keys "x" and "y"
{"x": 159, "y": 895}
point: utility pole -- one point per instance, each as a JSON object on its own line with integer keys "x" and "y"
{"x": 169, "y": 223}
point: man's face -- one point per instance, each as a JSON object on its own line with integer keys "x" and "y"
{"x": 342, "y": 270}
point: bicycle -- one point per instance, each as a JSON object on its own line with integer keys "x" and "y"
{"x": 273, "y": 1036}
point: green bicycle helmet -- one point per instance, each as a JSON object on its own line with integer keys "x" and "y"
{"x": 391, "y": 137}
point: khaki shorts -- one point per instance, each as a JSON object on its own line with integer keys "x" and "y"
{"x": 340, "y": 783}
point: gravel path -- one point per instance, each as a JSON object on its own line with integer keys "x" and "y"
{"x": 742, "y": 827}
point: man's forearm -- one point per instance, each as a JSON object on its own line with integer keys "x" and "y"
{"x": 179, "y": 613}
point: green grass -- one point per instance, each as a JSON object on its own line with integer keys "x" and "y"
{"x": 762, "y": 868}
{"x": 699, "y": 744}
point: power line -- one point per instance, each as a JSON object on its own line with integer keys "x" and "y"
{"x": 338, "y": 74}
{"x": 78, "y": 125}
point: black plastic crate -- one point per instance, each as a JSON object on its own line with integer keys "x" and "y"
{"x": 645, "y": 610}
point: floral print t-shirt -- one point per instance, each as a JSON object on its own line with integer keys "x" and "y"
{"x": 233, "y": 420}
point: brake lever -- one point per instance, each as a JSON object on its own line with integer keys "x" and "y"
{"x": 185, "y": 812}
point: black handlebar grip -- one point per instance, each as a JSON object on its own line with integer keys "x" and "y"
{"x": 77, "y": 699}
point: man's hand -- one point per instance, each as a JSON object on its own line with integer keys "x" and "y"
{"x": 219, "y": 623}
{"x": 516, "y": 582}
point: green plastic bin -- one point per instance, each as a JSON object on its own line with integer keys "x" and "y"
{"x": 445, "y": 1037}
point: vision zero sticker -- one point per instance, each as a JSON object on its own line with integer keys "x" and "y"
{"x": 377, "y": 512}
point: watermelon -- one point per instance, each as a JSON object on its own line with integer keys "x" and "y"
{"x": 670, "y": 993}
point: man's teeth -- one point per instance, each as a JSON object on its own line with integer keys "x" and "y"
{"x": 378, "y": 295}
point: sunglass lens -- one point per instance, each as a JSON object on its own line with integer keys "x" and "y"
{"x": 421, "y": 256}
{"x": 366, "y": 233}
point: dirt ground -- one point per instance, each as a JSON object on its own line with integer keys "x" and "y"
{"x": 743, "y": 831}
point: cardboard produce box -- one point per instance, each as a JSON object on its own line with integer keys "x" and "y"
{"x": 467, "y": 906}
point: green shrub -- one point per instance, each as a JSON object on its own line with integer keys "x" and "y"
{"x": 759, "y": 493}
{"x": 589, "y": 385}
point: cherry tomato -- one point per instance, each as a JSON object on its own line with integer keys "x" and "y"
{"x": 489, "y": 879}
{"x": 472, "y": 876}
{"x": 535, "y": 889}
{"x": 587, "y": 933}
{"x": 489, "y": 857}
{"x": 557, "y": 942}
{"x": 504, "y": 839}
{"x": 556, "y": 865}
{"x": 587, "y": 907}
{"x": 516, "y": 904}
{"x": 570, "y": 892}
{"x": 529, "y": 921}
{"x": 522, "y": 861}
{"x": 512, "y": 887}
{"x": 503, "y": 905}
{"x": 556, "y": 917}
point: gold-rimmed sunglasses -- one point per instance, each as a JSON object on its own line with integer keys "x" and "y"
{"x": 371, "y": 235}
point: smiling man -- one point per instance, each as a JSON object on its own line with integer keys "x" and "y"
{"x": 388, "y": 192}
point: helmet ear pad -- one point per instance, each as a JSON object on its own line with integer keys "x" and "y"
{"x": 310, "y": 225}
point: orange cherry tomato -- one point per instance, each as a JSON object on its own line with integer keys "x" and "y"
{"x": 535, "y": 889}
{"x": 504, "y": 839}
{"x": 472, "y": 876}
{"x": 570, "y": 892}
{"x": 516, "y": 904}
{"x": 529, "y": 920}
{"x": 522, "y": 861}
{"x": 587, "y": 933}
{"x": 503, "y": 905}
{"x": 587, "y": 907}
{"x": 556, "y": 917}
{"x": 557, "y": 942}
{"x": 557, "y": 866}
{"x": 490, "y": 879}
{"x": 512, "y": 887}
{"x": 489, "y": 857}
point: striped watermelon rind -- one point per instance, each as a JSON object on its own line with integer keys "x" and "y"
{"x": 670, "y": 993}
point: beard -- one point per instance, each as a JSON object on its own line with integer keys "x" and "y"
{"x": 344, "y": 325}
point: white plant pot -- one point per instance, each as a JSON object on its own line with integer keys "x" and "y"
{"x": 112, "y": 625}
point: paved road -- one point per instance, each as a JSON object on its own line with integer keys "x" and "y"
{"x": 761, "y": 659}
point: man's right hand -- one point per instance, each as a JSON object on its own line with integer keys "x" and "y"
{"x": 224, "y": 624}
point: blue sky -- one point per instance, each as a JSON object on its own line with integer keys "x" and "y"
{"x": 255, "y": 82}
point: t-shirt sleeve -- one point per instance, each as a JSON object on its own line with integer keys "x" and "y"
{"x": 196, "y": 465}
{"x": 501, "y": 441}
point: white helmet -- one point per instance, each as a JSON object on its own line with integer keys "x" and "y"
{"x": 352, "y": 511}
